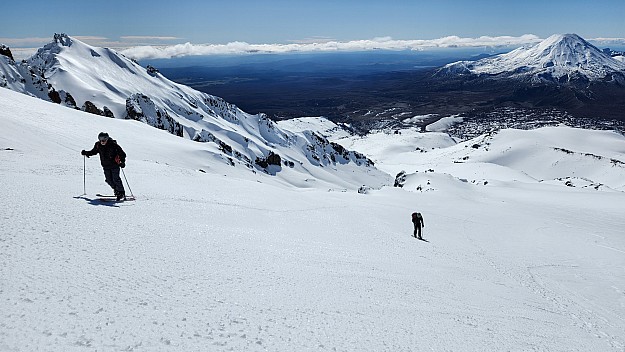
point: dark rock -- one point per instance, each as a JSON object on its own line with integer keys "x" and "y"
{"x": 225, "y": 147}
{"x": 54, "y": 96}
{"x": 4, "y": 50}
{"x": 364, "y": 189}
{"x": 400, "y": 179}
{"x": 91, "y": 108}
{"x": 271, "y": 159}
{"x": 107, "y": 112}
{"x": 152, "y": 71}
{"x": 63, "y": 39}
{"x": 69, "y": 100}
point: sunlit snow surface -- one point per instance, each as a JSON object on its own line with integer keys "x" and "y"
{"x": 226, "y": 259}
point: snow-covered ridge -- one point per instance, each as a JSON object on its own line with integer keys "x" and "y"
{"x": 560, "y": 58}
{"x": 104, "y": 82}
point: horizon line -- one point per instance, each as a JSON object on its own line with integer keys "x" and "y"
{"x": 139, "y": 50}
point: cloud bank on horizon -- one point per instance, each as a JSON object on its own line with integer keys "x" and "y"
{"x": 155, "y": 47}
{"x": 385, "y": 43}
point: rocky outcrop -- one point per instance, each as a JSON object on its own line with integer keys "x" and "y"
{"x": 141, "y": 108}
{"x": 400, "y": 179}
{"x": 68, "y": 99}
{"x": 4, "y": 50}
{"x": 91, "y": 108}
{"x": 322, "y": 152}
{"x": 151, "y": 70}
{"x": 271, "y": 159}
{"x": 107, "y": 112}
{"x": 62, "y": 39}
{"x": 54, "y": 96}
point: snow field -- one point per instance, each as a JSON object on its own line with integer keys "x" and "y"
{"x": 230, "y": 260}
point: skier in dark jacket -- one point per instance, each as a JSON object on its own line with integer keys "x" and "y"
{"x": 112, "y": 157}
{"x": 417, "y": 221}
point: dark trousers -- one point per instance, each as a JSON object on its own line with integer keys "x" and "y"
{"x": 417, "y": 231}
{"x": 111, "y": 176}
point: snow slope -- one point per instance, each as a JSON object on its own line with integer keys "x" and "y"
{"x": 561, "y": 57}
{"x": 233, "y": 260}
{"x": 557, "y": 155}
{"x": 319, "y": 125}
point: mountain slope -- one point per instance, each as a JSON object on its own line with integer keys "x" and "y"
{"x": 560, "y": 58}
{"x": 22, "y": 78}
{"x": 103, "y": 82}
{"x": 563, "y": 72}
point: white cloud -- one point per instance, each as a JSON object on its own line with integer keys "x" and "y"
{"x": 385, "y": 43}
{"x": 312, "y": 40}
{"x": 89, "y": 38}
{"x": 24, "y": 41}
{"x": 608, "y": 41}
{"x": 23, "y": 53}
{"x": 147, "y": 37}
{"x": 151, "y": 47}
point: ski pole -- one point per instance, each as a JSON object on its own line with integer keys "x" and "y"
{"x": 84, "y": 175}
{"x": 123, "y": 173}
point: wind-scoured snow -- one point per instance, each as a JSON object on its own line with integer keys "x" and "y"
{"x": 559, "y": 56}
{"x": 226, "y": 259}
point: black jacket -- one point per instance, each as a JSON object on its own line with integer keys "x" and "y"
{"x": 417, "y": 219}
{"x": 111, "y": 154}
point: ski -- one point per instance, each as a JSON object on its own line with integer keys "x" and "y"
{"x": 113, "y": 198}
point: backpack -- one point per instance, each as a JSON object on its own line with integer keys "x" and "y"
{"x": 416, "y": 217}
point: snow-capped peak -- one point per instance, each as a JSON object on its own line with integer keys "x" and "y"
{"x": 63, "y": 39}
{"x": 560, "y": 58}
{"x": 45, "y": 57}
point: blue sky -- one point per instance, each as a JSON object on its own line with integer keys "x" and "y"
{"x": 124, "y": 23}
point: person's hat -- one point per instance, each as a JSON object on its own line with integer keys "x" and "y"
{"x": 103, "y": 136}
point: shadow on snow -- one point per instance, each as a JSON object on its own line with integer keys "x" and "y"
{"x": 97, "y": 201}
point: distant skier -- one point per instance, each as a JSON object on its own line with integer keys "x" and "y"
{"x": 112, "y": 157}
{"x": 417, "y": 221}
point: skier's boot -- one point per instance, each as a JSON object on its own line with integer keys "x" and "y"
{"x": 121, "y": 196}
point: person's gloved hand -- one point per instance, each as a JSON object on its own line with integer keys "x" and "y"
{"x": 122, "y": 164}
{"x": 84, "y": 152}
